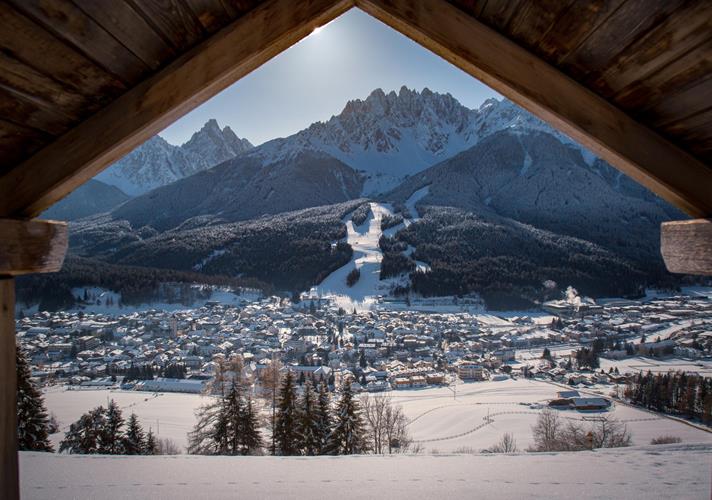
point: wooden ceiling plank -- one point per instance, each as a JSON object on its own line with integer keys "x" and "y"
{"x": 15, "y": 108}
{"x": 211, "y": 14}
{"x": 17, "y": 75}
{"x": 473, "y": 7}
{"x": 174, "y": 20}
{"x": 678, "y": 74}
{"x": 674, "y": 37}
{"x": 548, "y": 93}
{"x": 148, "y": 108}
{"x": 534, "y": 20}
{"x": 18, "y": 140}
{"x": 697, "y": 126}
{"x": 679, "y": 105}
{"x": 70, "y": 23}
{"x": 573, "y": 27}
{"x": 28, "y": 42}
{"x": 498, "y": 13}
{"x": 235, "y": 8}
{"x": 629, "y": 22}
{"x": 131, "y": 29}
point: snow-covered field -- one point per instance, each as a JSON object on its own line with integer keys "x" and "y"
{"x": 649, "y": 472}
{"x": 169, "y": 415}
{"x": 446, "y": 422}
{"x": 443, "y": 423}
{"x": 644, "y": 364}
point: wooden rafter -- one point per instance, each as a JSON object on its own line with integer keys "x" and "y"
{"x": 546, "y": 92}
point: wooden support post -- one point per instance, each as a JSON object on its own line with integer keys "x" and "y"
{"x": 687, "y": 246}
{"x": 26, "y": 246}
{"x": 9, "y": 477}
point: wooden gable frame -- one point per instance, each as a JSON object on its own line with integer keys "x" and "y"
{"x": 494, "y": 52}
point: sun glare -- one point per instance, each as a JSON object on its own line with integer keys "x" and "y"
{"x": 317, "y": 30}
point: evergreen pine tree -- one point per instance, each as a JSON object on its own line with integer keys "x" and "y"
{"x": 309, "y": 431}
{"x": 251, "y": 439}
{"x": 32, "y": 418}
{"x": 110, "y": 437}
{"x": 151, "y": 448}
{"x": 347, "y": 438}
{"x": 134, "y": 441}
{"x": 323, "y": 418}
{"x": 233, "y": 419}
{"x": 287, "y": 440}
{"x": 83, "y": 436}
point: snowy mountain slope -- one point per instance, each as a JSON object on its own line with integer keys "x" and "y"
{"x": 91, "y": 198}
{"x": 391, "y": 136}
{"x": 156, "y": 162}
{"x": 536, "y": 179}
{"x": 243, "y": 188}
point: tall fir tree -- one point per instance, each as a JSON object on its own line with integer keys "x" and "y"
{"x": 111, "y": 435}
{"x": 84, "y": 435}
{"x": 134, "y": 441}
{"x": 32, "y": 418}
{"x": 151, "y": 448}
{"x": 308, "y": 428}
{"x": 323, "y": 417}
{"x": 347, "y": 438}
{"x": 286, "y": 437}
{"x": 251, "y": 439}
{"x": 233, "y": 418}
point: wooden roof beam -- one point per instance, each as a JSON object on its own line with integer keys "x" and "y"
{"x": 80, "y": 154}
{"x": 548, "y": 93}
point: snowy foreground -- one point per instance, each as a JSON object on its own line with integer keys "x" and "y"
{"x": 647, "y": 472}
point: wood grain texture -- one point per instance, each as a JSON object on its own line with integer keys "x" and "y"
{"x": 686, "y": 246}
{"x": 173, "y": 19}
{"x": 671, "y": 39}
{"x": 32, "y": 246}
{"x": 16, "y": 138}
{"x": 66, "y": 21}
{"x": 548, "y": 93}
{"x": 9, "y": 479}
{"x": 24, "y": 40}
{"x": 16, "y": 108}
{"x": 631, "y": 20}
{"x": 81, "y": 153}
{"x": 130, "y": 28}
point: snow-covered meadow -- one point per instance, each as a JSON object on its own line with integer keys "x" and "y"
{"x": 442, "y": 419}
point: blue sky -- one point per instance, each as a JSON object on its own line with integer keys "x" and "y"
{"x": 314, "y": 79}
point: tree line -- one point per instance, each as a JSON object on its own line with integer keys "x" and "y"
{"x": 101, "y": 430}
{"x": 683, "y": 394}
{"x": 307, "y": 423}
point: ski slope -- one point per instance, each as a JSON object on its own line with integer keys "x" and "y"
{"x": 367, "y": 257}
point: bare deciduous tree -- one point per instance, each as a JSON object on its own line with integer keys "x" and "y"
{"x": 604, "y": 432}
{"x": 506, "y": 444}
{"x": 386, "y": 424}
{"x": 547, "y": 431}
{"x": 166, "y": 446}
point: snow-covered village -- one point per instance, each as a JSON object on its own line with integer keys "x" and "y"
{"x": 451, "y": 383}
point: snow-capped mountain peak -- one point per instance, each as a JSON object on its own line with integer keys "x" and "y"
{"x": 156, "y": 162}
{"x": 392, "y": 135}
